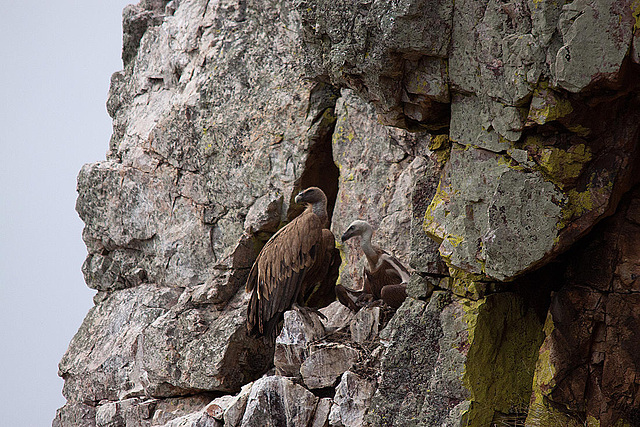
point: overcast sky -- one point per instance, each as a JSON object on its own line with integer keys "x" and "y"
{"x": 56, "y": 61}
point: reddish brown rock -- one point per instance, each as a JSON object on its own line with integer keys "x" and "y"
{"x": 590, "y": 360}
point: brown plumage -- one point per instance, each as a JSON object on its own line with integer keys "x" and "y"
{"x": 386, "y": 278}
{"x": 290, "y": 265}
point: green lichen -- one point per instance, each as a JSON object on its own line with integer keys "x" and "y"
{"x": 547, "y": 105}
{"x": 430, "y": 224}
{"x": 343, "y": 264}
{"x": 465, "y": 284}
{"x": 579, "y": 130}
{"x": 543, "y": 414}
{"x": 564, "y": 166}
{"x": 441, "y": 146}
{"x": 504, "y": 338}
{"x": 582, "y": 202}
{"x": 559, "y": 166}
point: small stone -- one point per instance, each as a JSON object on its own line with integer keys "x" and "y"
{"x": 265, "y": 214}
{"x": 321, "y": 417}
{"x": 277, "y": 401}
{"x": 326, "y": 363}
{"x": 351, "y": 401}
{"x": 292, "y": 344}
{"x": 365, "y": 325}
{"x": 337, "y": 316}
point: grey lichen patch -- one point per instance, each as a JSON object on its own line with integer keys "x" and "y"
{"x": 520, "y": 234}
{"x": 596, "y": 37}
{"x": 490, "y": 218}
{"x": 483, "y": 122}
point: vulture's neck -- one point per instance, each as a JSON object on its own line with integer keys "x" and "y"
{"x": 368, "y": 249}
{"x": 320, "y": 209}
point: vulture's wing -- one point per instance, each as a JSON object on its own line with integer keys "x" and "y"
{"x": 279, "y": 272}
{"x": 393, "y": 267}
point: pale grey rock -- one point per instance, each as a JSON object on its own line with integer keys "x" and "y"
{"x": 424, "y": 257}
{"x": 321, "y": 416}
{"x": 130, "y": 344}
{"x": 406, "y": 368}
{"x": 390, "y": 53}
{"x": 422, "y": 287}
{"x": 485, "y": 123}
{"x": 136, "y": 19}
{"x": 132, "y": 412}
{"x": 338, "y": 316}
{"x": 218, "y": 406}
{"x": 234, "y": 412}
{"x": 174, "y": 360}
{"x": 127, "y": 412}
{"x": 365, "y": 325}
{"x": 293, "y": 342}
{"x": 493, "y": 52}
{"x": 477, "y": 233}
{"x": 265, "y": 214}
{"x": 75, "y": 414}
{"x": 351, "y": 401}
{"x": 97, "y": 365}
{"x": 196, "y": 419}
{"x": 377, "y": 175}
{"x": 326, "y": 363}
{"x": 166, "y": 410}
{"x": 596, "y": 37}
{"x": 229, "y": 409}
{"x": 276, "y": 401}
{"x": 210, "y": 121}
{"x": 525, "y": 232}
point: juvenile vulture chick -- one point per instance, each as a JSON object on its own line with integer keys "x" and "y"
{"x": 294, "y": 260}
{"x": 385, "y": 278}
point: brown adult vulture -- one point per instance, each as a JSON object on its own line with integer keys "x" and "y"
{"x": 298, "y": 257}
{"x": 386, "y": 278}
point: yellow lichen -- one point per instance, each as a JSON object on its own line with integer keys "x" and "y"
{"x": 635, "y": 10}
{"x": 547, "y": 106}
{"x": 343, "y": 264}
{"x": 439, "y": 142}
{"x": 579, "y": 130}
{"x": 564, "y": 166}
{"x": 544, "y": 376}
{"x": 429, "y": 224}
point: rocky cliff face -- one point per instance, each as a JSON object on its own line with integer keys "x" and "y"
{"x": 493, "y": 145}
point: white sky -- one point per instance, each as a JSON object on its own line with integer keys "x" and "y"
{"x": 56, "y": 58}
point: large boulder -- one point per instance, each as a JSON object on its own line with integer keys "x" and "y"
{"x": 454, "y": 359}
{"x": 276, "y": 401}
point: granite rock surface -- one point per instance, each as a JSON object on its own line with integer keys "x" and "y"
{"x": 492, "y": 144}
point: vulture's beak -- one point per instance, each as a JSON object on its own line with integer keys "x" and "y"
{"x": 298, "y": 198}
{"x": 346, "y": 236}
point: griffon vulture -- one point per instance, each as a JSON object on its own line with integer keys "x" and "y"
{"x": 385, "y": 278}
{"x": 296, "y": 259}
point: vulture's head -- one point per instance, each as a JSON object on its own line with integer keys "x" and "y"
{"x": 311, "y": 195}
{"x": 357, "y": 228}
